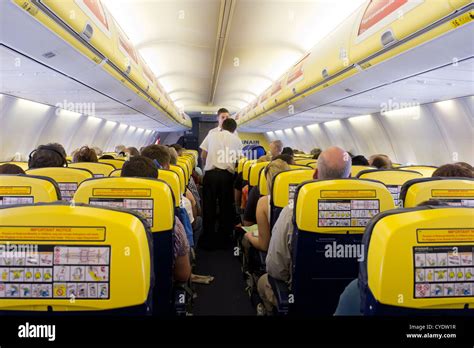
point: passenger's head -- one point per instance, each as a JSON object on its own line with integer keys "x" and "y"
{"x": 287, "y": 151}
{"x": 139, "y": 166}
{"x": 381, "y": 162}
{"x": 316, "y": 152}
{"x": 85, "y": 154}
{"x": 173, "y": 154}
{"x": 119, "y": 148}
{"x": 159, "y": 154}
{"x": 276, "y": 147}
{"x": 58, "y": 148}
{"x": 229, "y": 125}
{"x": 285, "y": 157}
{"x": 9, "y": 168}
{"x": 465, "y": 165}
{"x": 222, "y": 115}
{"x": 179, "y": 149}
{"x": 452, "y": 170}
{"x": 132, "y": 151}
{"x": 98, "y": 151}
{"x": 333, "y": 163}
{"x": 107, "y": 157}
{"x": 359, "y": 161}
{"x": 433, "y": 202}
{"x": 49, "y": 155}
{"x": 272, "y": 169}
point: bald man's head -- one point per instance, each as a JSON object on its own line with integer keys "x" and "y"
{"x": 334, "y": 163}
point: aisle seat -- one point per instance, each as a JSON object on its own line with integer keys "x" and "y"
{"x": 392, "y": 178}
{"x": 305, "y": 162}
{"x": 153, "y": 199}
{"x": 99, "y": 170}
{"x": 329, "y": 220}
{"x": 240, "y": 164}
{"x": 246, "y": 169}
{"x": 180, "y": 172}
{"x": 27, "y": 189}
{"x": 68, "y": 179}
{"x": 75, "y": 261}
{"x": 453, "y": 191}
{"x": 419, "y": 261}
{"x": 168, "y": 176}
{"x": 254, "y": 173}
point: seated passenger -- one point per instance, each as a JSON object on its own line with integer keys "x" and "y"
{"x": 50, "y": 155}
{"x": 359, "y": 160}
{"x": 275, "y": 147}
{"x": 380, "y": 162}
{"x": 107, "y": 157}
{"x": 465, "y": 165}
{"x": 143, "y": 167}
{"x": 263, "y": 208}
{"x": 98, "y": 151}
{"x": 287, "y": 158}
{"x": 132, "y": 151}
{"x": 161, "y": 157}
{"x": 120, "y": 150}
{"x": 333, "y": 163}
{"x": 178, "y": 148}
{"x": 174, "y": 155}
{"x": 85, "y": 154}
{"x": 287, "y": 151}
{"x": 453, "y": 170}
{"x": 315, "y": 152}
{"x": 9, "y": 168}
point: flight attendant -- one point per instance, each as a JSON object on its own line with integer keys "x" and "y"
{"x": 220, "y": 150}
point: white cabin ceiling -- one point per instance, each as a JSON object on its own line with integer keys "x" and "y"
{"x": 224, "y": 53}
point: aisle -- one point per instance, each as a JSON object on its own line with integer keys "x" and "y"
{"x": 226, "y": 294}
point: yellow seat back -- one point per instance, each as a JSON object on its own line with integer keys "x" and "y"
{"x": 262, "y": 180}
{"x": 357, "y": 169}
{"x": 115, "y": 173}
{"x": 246, "y": 169}
{"x": 453, "y": 191}
{"x": 73, "y": 258}
{"x": 305, "y": 161}
{"x": 68, "y": 179}
{"x": 393, "y": 179}
{"x": 180, "y": 171}
{"x": 284, "y": 186}
{"x": 22, "y": 165}
{"x": 339, "y": 206}
{"x": 254, "y": 172}
{"x": 426, "y": 171}
{"x": 27, "y": 189}
{"x": 419, "y": 260}
{"x": 185, "y": 169}
{"x": 189, "y": 166}
{"x": 117, "y": 163}
{"x": 240, "y": 164}
{"x": 168, "y": 176}
{"x": 99, "y": 170}
{"x": 151, "y": 198}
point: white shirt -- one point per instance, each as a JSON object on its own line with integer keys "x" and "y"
{"x": 223, "y": 150}
{"x": 205, "y": 142}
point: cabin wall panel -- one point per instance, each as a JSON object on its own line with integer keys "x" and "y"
{"x": 24, "y": 125}
{"x": 432, "y": 134}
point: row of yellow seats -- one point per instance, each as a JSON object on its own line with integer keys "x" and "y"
{"x": 93, "y": 236}
{"x": 331, "y": 217}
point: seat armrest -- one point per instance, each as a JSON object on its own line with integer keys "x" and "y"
{"x": 282, "y": 293}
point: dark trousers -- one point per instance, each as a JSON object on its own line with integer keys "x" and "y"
{"x": 218, "y": 191}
